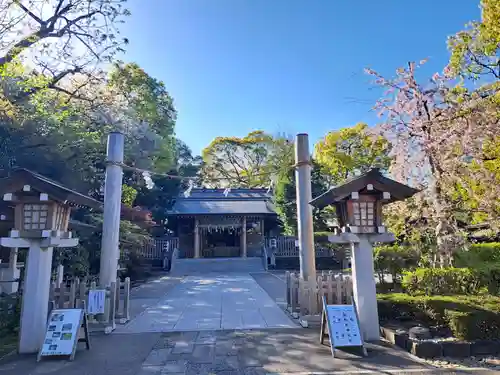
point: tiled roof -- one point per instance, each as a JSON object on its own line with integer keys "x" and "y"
{"x": 21, "y": 176}
{"x": 214, "y": 201}
{"x": 201, "y": 207}
{"x": 240, "y": 194}
{"x": 375, "y": 177}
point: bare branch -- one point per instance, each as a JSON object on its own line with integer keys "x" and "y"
{"x": 28, "y": 12}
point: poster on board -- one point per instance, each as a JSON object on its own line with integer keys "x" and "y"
{"x": 97, "y": 298}
{"x": 343, "y": 326}
{"x": 62, "y": 332}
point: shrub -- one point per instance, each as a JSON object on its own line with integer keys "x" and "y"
{"x": 393, "y": 260}
{"x": 468, "y": 317}
{"x": 479, "y": 254}
{"x": 10, "y": 313}
{"x": 443, "y": 281}
{"x": 476, "y": 325}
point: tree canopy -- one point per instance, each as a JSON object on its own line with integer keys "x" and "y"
{"x": 350, "y": 151}
{"x": 241, "y": 162}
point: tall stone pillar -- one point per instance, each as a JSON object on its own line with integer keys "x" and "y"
{"x": 110, "y": 252}
{"x": 364, "y": 287}
{"x": 243, "y": 237}
{"x": 35, "y": 303}
{"x": 196, "y": 238}
{"x": 304, "y": 209}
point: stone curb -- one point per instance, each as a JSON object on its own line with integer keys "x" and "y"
{"x": 433, "y": 349}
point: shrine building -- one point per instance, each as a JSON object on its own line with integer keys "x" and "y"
{"x": 223, "y": 222}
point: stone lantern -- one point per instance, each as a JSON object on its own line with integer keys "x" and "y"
{"x": 358, "y": 204}
{"x": 41, "y": 210}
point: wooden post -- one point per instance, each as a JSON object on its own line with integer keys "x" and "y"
{"x": 112, "y": 208}
{"x": 117, "y": 298}
{"x": 13, "y": 259}
{"x": 126, "y": 300}
{"x": 243, "y": 238}
{"x": 304, "y": 209}
{"x": 59, "y": 274}
{"x": 196, "y": 238}
{"x": 112, "y": 308}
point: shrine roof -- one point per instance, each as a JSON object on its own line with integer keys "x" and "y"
{"x": 238, "y": 194}
{"x": 214, "y": 201}
{"x": 374, "y": 177}
{"x": 20, "y": 177}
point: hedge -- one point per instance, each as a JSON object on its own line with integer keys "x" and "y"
{"x": 468, "y": 317}
{"x": 453, "y": 281}
{"x": 478, "y": 254}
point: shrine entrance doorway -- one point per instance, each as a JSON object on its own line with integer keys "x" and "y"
{"x": 221, "y": 242}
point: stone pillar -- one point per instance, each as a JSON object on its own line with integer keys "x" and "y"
{"x": 11, "y": 273}
{"x": 304, "y": 209}
{"x": 110, "y": 252}
{"x": 13, "y": 258}
{"x": 35, "y": 298}
{"x": 243, "y": 237}
{"x": 60, "y": 274}
{"x": 196, "y": 238}
{"x": 364, "y": 288}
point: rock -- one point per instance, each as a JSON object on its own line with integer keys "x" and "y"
{"x": 397, "y": 337}
{"x": 420, "y": 333}
{"x": 426, "y": 349}
{"x": 485, "y": 347}
{"x": 456, "y": 349}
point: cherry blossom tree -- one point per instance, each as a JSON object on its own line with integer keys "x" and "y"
{"x": 435, "y": 129}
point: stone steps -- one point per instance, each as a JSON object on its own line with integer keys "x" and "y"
{"x": 186, "y": 267}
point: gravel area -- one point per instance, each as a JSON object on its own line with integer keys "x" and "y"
{"x": 487, "y": 362}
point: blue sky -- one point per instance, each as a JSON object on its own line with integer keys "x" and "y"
{"x": 233, "y": 66}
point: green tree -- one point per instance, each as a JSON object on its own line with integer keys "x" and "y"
{"x": 350, "y": 151}
{"x": 161, "y": 197}
{"x": 285, "y": 200}
{"x": 239, "y": 162}
{"x": 66, "y": 42}
{"x": 474, "y": 51}
{"x": 147, "y": 114}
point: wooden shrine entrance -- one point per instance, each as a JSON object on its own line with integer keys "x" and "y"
{"x": 220, "y": 242}
{"x": 222, "y": 223}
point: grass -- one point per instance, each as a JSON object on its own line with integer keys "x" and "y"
{"x": 8, "y": 343}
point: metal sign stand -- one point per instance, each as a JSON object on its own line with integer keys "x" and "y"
{"x": 326, "y": 320}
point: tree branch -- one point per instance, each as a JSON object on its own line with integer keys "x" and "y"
{"x": 28, "y": 12}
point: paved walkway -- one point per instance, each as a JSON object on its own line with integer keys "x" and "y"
{"x": 211, "y": 302}
{"x": 148, "y": 345}
{"x": 271, "y": 352}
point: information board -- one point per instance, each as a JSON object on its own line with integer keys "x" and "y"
{"x": 63, "y": 333}
{"x": 343, "y": 326}
{"x": 97, "y": 298}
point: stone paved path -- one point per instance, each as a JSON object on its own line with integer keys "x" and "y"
{"x": 253, "y": 352}
{"x": 211, "y": 302}
{"x": 289, "y": 351}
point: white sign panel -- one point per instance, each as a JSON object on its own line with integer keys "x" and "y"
{"x": 97, "y": 298}
{"x": 62, "y": 332}
{"x": 343, "y": 326}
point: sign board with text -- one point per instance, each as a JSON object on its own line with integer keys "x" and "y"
{"x": 343, "y": 326}
{"x": 63, "y": 333}
{"x": 97, "y": 299}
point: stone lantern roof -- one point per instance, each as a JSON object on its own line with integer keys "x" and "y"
{"x": 373, "y": 177}
{"x": 57, "y": 192}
